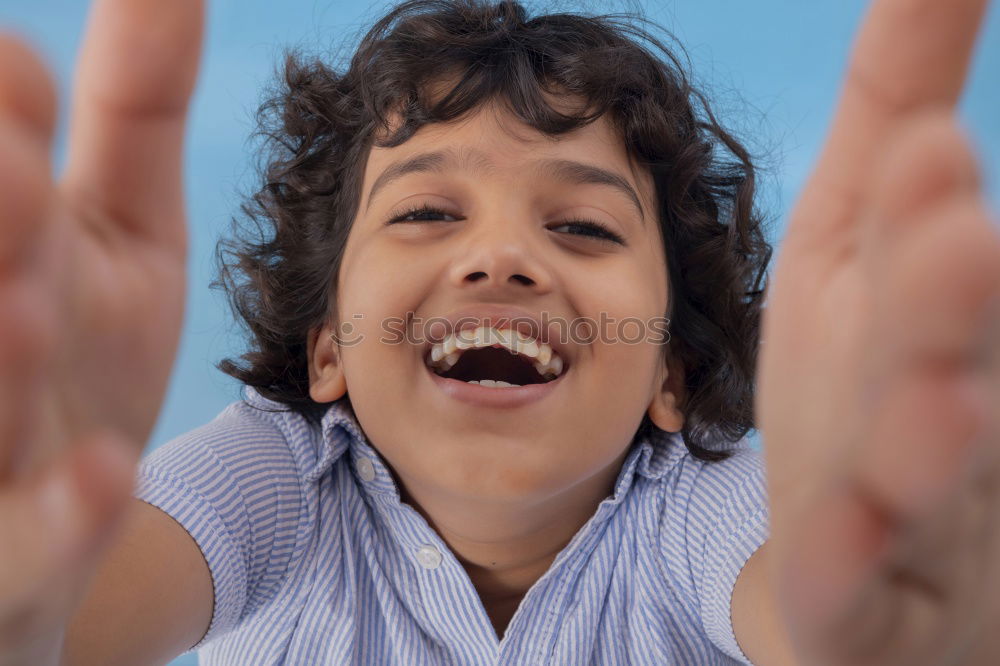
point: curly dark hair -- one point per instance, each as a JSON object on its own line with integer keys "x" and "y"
{"x": 320, "y": 124}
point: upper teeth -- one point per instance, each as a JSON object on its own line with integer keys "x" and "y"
{"x": 445, "y": 354}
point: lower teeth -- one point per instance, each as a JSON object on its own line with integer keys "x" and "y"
{"x": 490, "y": 382}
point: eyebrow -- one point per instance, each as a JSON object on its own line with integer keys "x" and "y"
{"x": 474, "y": 161}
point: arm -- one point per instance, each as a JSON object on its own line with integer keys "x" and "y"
{"x": 758, "y": 627}
{"x": 205, "y": 538}
{"x": 150, "y": 599}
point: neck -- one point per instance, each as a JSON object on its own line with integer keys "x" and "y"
{"x": 506, "y": 547}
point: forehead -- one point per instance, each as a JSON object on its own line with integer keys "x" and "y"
{"x": 494, "y": 143}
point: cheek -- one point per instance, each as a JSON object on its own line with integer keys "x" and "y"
{"x": 621, "y": 385}
{"x": 636, "y": 287}
{"x": 379, "y": 286}
{"x": 375, "y": 296}
{"x": 370, "y": 280}
{"x": 630, "y": 309}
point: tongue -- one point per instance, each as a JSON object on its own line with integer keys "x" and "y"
{"x": 494, "y": 363}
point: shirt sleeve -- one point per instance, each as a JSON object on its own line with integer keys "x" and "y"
{"x": 233, "y": 485}
{"x": 727, "y": 522}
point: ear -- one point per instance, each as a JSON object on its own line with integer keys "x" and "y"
{"x": 663, "y": 409}
{"x": 326, "y": 371}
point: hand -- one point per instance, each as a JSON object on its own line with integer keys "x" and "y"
{"x": 878, "y": 352}
{"x": 91, "y": 297}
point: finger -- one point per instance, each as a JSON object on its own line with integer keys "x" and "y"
{"x": 136, "y": 72}
{"x": 926, "y": 160}
{"x": 934, "y": 421}
{"x": 935, "y": 289}
{"x": 25, "y": 308}
{"x": 27, "y": 94}
{"x": 927, "y": 243}
{"x": 909, "y": 55}
{"x": 927, "y": 402}
{"x": 25, "y": 190}
{"x": 27, "y": 119}
{"x": 922, "y": 440}
{"x": 26, "y": 339}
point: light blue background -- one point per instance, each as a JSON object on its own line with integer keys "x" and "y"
{"x": 772, "y": 66}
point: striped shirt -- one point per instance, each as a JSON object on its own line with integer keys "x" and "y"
{"x": 315, "y": 560}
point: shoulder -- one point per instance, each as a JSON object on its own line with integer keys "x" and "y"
{"x": 732, "y": 485}
{"x": 253, "y": 433}
{"x": 711, "y": 517}
{"x": 691, "y": 490}
{"x": 240, "y": 486}
{"x": 704, "y": 510}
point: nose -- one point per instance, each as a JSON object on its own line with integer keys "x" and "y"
{"x": 501, "y": 258}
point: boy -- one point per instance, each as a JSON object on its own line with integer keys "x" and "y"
{"x": 521, "y": 466}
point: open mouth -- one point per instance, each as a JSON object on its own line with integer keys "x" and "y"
{"x": 501, "y": 358}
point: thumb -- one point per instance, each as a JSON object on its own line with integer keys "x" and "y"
{"x": 822, "y": 575}
{"x": 55, "y": 529}
{"x": 82, "y": 500}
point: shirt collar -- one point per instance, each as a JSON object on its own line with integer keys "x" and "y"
{"x": 338, "y": 428}
{"x": 650, "y": 457}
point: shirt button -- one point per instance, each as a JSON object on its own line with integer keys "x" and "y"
{"x": 366, "y": 470}
{"x": 429, "y": 557}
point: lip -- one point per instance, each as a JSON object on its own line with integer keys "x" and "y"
{"x": 498, "y": 316}
{"x": 495, "y": 397}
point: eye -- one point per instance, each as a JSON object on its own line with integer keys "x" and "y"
{"x": 591, "y": 229}
{"x": 578, "y": 227}
{"x": 424, "y": 210}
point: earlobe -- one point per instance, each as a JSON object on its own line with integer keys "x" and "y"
{"x": 664, "y": 413}
{"x": 326, "y": 372}
{"x": 663, "y": 410}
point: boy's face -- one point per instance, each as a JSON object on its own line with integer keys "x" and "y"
{"x": 502, "y": 242}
